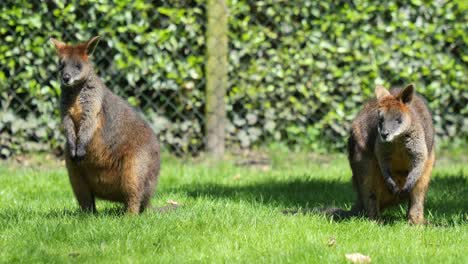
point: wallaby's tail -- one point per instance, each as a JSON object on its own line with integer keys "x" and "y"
{"x": 333, "y": 212}
{"x": 341, "y": 214}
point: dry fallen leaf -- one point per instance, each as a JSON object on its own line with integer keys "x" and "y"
{"x": 236, "y": 177}
{"x": 331, "y": 242}
{"x": 172, "y": 202}
{"x": 358, "y": 258}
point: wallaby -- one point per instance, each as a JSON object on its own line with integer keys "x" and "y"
{"x": 111, "y": 152}
{"x": 391, "y": 153}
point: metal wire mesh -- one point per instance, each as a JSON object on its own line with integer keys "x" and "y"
{"x": 297, "y": 72}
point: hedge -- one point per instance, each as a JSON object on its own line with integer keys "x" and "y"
{"x": 299, "y": 70}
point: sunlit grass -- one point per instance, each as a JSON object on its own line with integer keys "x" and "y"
{"x": 229, "y": 213}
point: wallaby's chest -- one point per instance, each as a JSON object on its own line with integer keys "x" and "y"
{"x": 74, "y": 105}
{"x": 75, "y": 110}
{"x": 400, "y": 163}
{"x": 400, "y": 160}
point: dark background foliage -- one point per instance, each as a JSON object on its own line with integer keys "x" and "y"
{"x": 299, "y": 70}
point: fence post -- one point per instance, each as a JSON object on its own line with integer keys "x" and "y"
{"x": 216, "y": 75}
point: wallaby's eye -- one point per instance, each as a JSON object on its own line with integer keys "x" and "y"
{"x": 78, "y": 65}
{"x": 61, "y": 65}
{"x": 381, "y": 118}
{"x": 398, "y": 120}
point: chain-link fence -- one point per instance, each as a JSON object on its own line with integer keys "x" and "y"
{"x": 244, "y": 73}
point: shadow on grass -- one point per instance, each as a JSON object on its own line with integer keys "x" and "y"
{"x": 114, "y": 211}
{"x": 19, "y": 213}
{"x": 447, "y": 198}
{"x": 294, "y": 193}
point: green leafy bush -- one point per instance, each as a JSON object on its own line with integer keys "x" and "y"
{"x": 302, "y": 69}
{"x": 150, "y": 54}
{"x": 299, "y": 70}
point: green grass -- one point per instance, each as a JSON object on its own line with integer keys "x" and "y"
{"x": 229, "y": 214}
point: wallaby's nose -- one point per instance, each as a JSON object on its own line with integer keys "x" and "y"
{"x": 66, "y": 77}
{"x": 384, "y": 135}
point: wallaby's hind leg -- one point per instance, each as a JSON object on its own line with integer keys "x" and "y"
{"x": 418, "y": 194}
{"x": 131, "y": 185}
{"x": 139, "y": 181}
{"x": 364, "y": 173}
{"x": 370, "y": 203}
{"x": 132, "y": 203}
{"x": 145, "y": 201}
{"x": 151, "y": 178}
{"x": 367, "y": 204}
{"x": 82, "y": 190}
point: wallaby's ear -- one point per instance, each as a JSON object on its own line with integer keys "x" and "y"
{"x": 92, "y": 44}
{"x": 58, "y": 44}
{"x": 406, "y": 95}
{"x": 381, "y": 92}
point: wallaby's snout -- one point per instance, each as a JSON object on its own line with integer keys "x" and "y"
{"x": 74, "y": 70}
{"x": 384, "y": 135}
{"x": 391, "y": 124}
{"x": 66, "y": 78}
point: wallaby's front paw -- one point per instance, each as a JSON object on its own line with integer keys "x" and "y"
{"x": 404, "y": 193}
{"x": 80, "y": 153}
{"x": 72, "y": 152}
{"x": 395, "y": 190}
{"x": 392, "y": 187}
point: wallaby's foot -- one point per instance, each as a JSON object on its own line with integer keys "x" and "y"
{"x": 416, "y": 216}
{"x": 88, "y": 208}
{"x": 373, "y": 214}
{"x": 131, "y": 211}
{"x": 133, "y": 207}
{"x": 143, "y": 206}
{"x": 373, "y": 211}
{"x": 89, "y": 211}
{"x": 420, "y": 221}
{"x": 378, "y": 220}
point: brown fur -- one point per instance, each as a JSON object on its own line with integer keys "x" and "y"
{"x": 390, "y": 102}
{"x": 386, "y": 173}
{"x": 79, "y": 50}
{"x": 111, "y": 152}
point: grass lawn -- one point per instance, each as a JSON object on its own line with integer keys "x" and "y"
{"x": 231, "y": 212}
